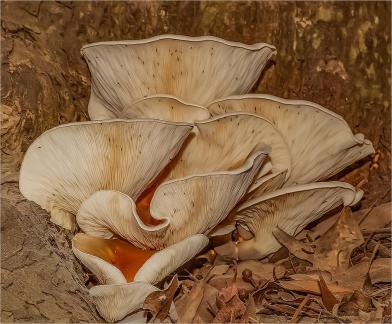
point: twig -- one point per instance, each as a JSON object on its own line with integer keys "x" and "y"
{"x": 316, "y": 310}
{"x": 380, "y": 291}
{"x": 377, "y": 231}
{"x": 291, "y": 262}
{"x": 373, "y": 255}
{"x": 297, "y": 314}
{"x": 373, "y": 205}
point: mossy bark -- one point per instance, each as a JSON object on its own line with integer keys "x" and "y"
{"x": 334, "y": 53}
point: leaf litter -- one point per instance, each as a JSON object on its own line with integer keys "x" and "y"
{"x": 338, "y": 271}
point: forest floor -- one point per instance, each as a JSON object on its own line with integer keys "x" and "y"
{"x": 337, "y": 270}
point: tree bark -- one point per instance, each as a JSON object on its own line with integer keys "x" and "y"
{"x": 335, "y": 53}
{"x": 41, "y": 279}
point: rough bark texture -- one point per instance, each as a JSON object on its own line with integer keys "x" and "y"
{"x": 41, "y": 280}
{"x": 336, "y": 54}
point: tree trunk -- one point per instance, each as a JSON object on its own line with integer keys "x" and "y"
{"x": 336, "y": 54}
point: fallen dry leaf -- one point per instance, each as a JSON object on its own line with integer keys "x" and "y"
{"x": 188, "y": 304}
{"x": 387, "y": 313}
{"x": 227, "y": 293}
{"x": 359, "y": 176}
{"x": 312, "y": 286}
{"x": 299, "y": 249}
{"x": 374, "y": 218}
{"x": 220, "y": 281}
{"x": 209, "y": 299}
{"x": 218, "y": 270}
{"x": 329, "y": 300}
{"x": 228, "y": 249}
{"x": 259, "y": 270}
{"x": 230, "y": 311}
{"x": 369, "y": 219}
{"x": 328, "y": 267}
{"x": 334, "y": 248}
{"x": 356, "y": 302}
{"x": 354, "y": 277}
{"x": 159, "y": 302}
{"x": 380, "y": 270}
{"x": 250, "y": 311}
{"x": 311, "y": 275}
{"x": 279, "y": 271}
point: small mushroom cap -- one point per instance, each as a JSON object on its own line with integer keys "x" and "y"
{"x": 290, "y": 209}
{"x": 68, "y": 163}
{"x": 225, "y": 142}
{"x": 321, "y": 143}
{"x": 186, "y": 206}
{"x": 162, "y": 107}
{"x": 114, "y": 302}
{"x": 117, "y": 261}
{"x": 196, "y": 69}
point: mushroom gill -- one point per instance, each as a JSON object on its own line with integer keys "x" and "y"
{"x": 289, "y": 209}
{"x": 68, "y": 163}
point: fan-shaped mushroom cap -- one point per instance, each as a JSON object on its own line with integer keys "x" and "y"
{"x": 267, "y": 183}
{"x": 225, "y": 142}
{"x": 196, "y": 69}
{"x": 162, "y": 107}
{"x": 186, "y": 206}
{"x": 259, "y": 187}
{"x": 66, "y": 164}
{"x": 290, "y": 209}
{"x": 320, "y": 142}
{"x": 115, "y": 261}
{"x": 114, "y": 302}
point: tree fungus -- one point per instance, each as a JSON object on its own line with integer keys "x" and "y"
{"x": 147, "y": 189}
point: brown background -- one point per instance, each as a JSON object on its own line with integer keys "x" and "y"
{"x": 336, "y": 54}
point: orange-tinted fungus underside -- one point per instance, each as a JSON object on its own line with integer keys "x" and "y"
{"x": 124, "y": 256}
{"x": 143, "y": 206}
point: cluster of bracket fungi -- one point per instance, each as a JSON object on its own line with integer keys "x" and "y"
{"x": 176, "y": 152}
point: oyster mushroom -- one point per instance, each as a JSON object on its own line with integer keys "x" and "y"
{"x": 162, "y": 107}
{"x": 128, "y": 274}
{"x": 67, "y": 164}
{"x": 320, "y": 142}
{"x": 195, "y": 69}
{"x": 211, "y": 174}
{"x": 289, "y": 209}
{"x": 181, "y": 207}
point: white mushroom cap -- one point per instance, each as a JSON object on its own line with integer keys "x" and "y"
{"x": 320, "y": 142}
{"x": 196, "y": 69}
{"x": 117, "y": 298}
{"x": 186, "y": 206}
{"x": 290, "y": 209}
{"x": 67, "y": 164}
{"x": 108, "y": 258}
{"x": 114, "y": 302}
{"x": 162, "y": 107}
{"x": 225, "y": 142}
